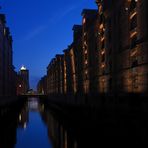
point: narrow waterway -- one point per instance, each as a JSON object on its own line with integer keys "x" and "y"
{"x": 37, "y": 124}
{"x": 32, "y": 132}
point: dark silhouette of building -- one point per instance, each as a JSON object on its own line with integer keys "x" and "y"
{"x": 42, "y": 86}
{"x": 7, "y": 73}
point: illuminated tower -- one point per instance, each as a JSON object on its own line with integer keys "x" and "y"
{"x": 23, "y": 81}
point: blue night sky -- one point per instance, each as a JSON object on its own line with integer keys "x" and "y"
{"x": 41, "y": 29}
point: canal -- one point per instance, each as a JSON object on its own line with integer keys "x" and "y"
{"x": 37, "y": 125}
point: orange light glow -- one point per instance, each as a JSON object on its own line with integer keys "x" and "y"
{"x": 133, "y": 34}
{"x": 132, "y": 15}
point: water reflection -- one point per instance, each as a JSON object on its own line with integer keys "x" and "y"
{"x": 31, "y": 131}
{"x": 36, "y": 125}
{"x": 22, "y": 127}
{"x": 96, "y": 128}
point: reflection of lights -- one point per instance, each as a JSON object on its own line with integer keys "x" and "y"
{"x": 25, "y": 125}
{"x": 43, "y": 107}
{"x": 20, "y": 86}
{"x": 20, "y": 117}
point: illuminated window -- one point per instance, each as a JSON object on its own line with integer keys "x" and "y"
{"x": 84, "y": 20}
{"x": 85, "y": 52}
{"x": 100, "y": 9}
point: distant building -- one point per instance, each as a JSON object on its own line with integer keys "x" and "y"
{"x": 23, "y": 81}
{"x": 69, "y": 70}
{"x": 55, "y": 76}
{"x": 42, "y": 86}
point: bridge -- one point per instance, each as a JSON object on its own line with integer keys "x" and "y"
{"x": 33, "y": 95}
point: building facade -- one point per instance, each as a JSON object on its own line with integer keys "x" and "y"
{"x": 55, "y": 76}
{"x": 7, "y": 73}
{"x": 42, "y": 86}
{"x": 90, "y": 51}
{"x": 125, "y": 30}
{"x": 78, "y": 55}
{"x": 109, "y": 51}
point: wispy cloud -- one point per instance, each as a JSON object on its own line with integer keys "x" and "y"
{"x": 53, "y": 20}
{"x": 36, "y": 31}
{"x": 67, "y": 11}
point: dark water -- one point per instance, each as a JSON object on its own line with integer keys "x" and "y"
{"x": 24, "y": 128}
{"x": 32, "y": 132}
{"x": 36, "y": 125}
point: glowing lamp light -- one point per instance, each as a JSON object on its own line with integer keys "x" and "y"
{"x": 84, "y": 20}
{"x": 23, "y": 68}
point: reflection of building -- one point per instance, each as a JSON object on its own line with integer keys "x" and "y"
{"x": 7, "y": 73}
{"x": 23, "y": 117}
{"x": 42, "y": 85}
{"x": 57, "y": 133}
{"x": 23, "y": 81}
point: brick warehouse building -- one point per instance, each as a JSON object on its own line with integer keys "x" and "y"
{"x": 90, "y": 51}
{"x": 55, "y": 76}
{"x": 7, "y": 73}
{"x": 125, "y": 44}
{"x": 78, "y": 54}
{"x": 42, "y": 86}
{"x": 109, "y": 51}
